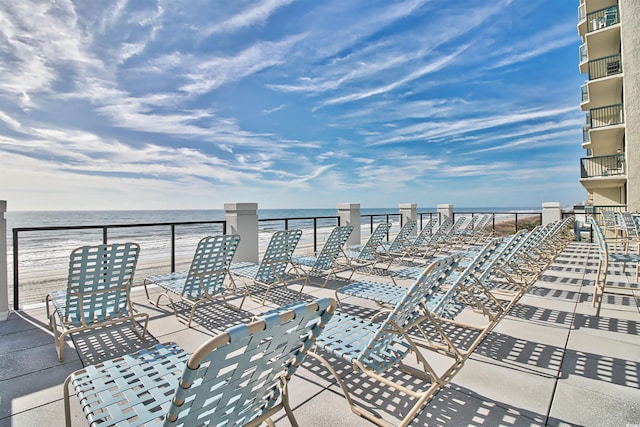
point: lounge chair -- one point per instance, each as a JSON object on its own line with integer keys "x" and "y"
{"x": 324, "y": 264}
{"x": 204, "y": 281}
{"x": 273, "y": 268}
{"x": 97, "y": 293}
{"x": 605, "y": 259}
{"x": 379, "y": 349}
{"x": 362, "y": 256}
{"x": 239, "y": 377}
{"x": 395, "y": 250}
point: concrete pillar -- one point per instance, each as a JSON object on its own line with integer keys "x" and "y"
{"x": 409, "y": 211}
{"x": 551, "y": 212}
{"x": 242, "y": 219}
{"x": 445, "y": 210}
{"x": 349, "y": 214}
{"x": 4, "y": 283}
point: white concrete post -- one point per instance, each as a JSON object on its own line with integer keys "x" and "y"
{"x": 4, "y": 284}
{"x": 409, "y": 211}
{"x": 551, "y": 212}
{"x": 242, "y": 219}
{"x": 445, "y": 210}
{"x": 349, "y": 214}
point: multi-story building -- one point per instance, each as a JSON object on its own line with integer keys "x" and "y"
{"x": 610, "y": 57}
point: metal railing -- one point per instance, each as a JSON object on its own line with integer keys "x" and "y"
{"x": 605, "y": 66}
{"x": 105, "y": 239}
{"x": 603, "y": 18}
{"x": 602, "y": 166}
{"x": 69, "y": 235}
{"x": 606, "y": 116}
{"x": 313, "y": 221}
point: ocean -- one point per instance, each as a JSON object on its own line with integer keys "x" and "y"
{"x": 43, "y": 255}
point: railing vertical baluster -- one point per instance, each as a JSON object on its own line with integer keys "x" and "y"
{"x": 493, "y": 222}
{"x": 173, "y": 248}
{"x": 371, "y": 221}
{"x": 516, "y": 222}
{"x": 286, "y": 224}
{"x": 15, "y": 270}
{"x": 315, "y": 235}
{"x": 104, "y": 235}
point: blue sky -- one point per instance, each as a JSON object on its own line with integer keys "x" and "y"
{"x": 290, "y": 104}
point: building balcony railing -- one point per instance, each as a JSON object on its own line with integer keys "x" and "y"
{"x": 582, "y": 12}
{"x": 584, "y": 93}
{"x": 602, "y": 166}
{"x": 606, "y": 116}
{"x": 603, "y": 18}
{"x": 585, "y": 135}
{"x": 606, "y": 66}
{"x": 583, "y": 53}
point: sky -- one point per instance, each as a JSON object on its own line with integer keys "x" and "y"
{"x": 153, "y": 104}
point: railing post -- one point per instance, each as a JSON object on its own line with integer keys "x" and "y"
{"x": 349, "y": 214}
{"x": 445, "y": 211}
{"x": 409, "y": 211}
{"x": 4, "y": 284}
{"x": 551, "y": 212}
{"x": 242, "y": 219}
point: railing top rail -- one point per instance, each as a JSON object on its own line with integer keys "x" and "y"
{"x": 600, "y": 11}
{"x": 606, "y": 57}
{"x": 85, "y": 227}
{"x": 603, "y": 157}
{"x": 298, "y": 218}
{"x": 606, "y": 106}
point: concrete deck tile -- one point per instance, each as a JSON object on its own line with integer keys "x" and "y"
{"x": 525, "y": 389}
{"x": 578, "y": 406}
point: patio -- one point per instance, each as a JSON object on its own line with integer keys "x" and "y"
{"x": 548, "y": 362}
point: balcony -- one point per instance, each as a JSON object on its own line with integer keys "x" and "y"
{"x": 606, "y": 66}
{"x": 606, "y": 116}
{"x": 602, "y": 166}
{"x": 602, "y": 18}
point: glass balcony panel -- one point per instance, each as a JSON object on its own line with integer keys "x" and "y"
{"x": 584, "y": 93}
{"x": 584, "y": 54}
{"x": 582, "y": 12}
{"x": 585, "y": 135}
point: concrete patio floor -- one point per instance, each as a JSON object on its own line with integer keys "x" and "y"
{"x": 549, "y": 361}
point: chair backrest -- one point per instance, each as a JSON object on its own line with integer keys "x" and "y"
{"x": 402, "y": 236}
{"x": 99, "y": 282}
{"x": 368, "y": 251}
{"x": 277, "y": 257}
{"x": 629, "y": 225}
{"x": 609, "y": 219}
{"x": 425, "y": 233}
{"x": 603, "y": 250}
{"x": 210, "y": 266}
{"x": 380, "y": 347}
{"x": 442, "y": 230}
{"x": 239, "y": 375}
{"x": 332, "y": 247}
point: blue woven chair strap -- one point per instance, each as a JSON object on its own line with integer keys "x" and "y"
{"x": 98, "y": 283}
{"x": 241, "y": 377}
{"x": 116, "y": 392}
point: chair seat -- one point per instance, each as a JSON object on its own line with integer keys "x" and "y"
{"x": 307, "y": 261}
{"x": 115, "y": 391}
{"x": 174, "y": 282}
{"x": 348, "y": 336}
